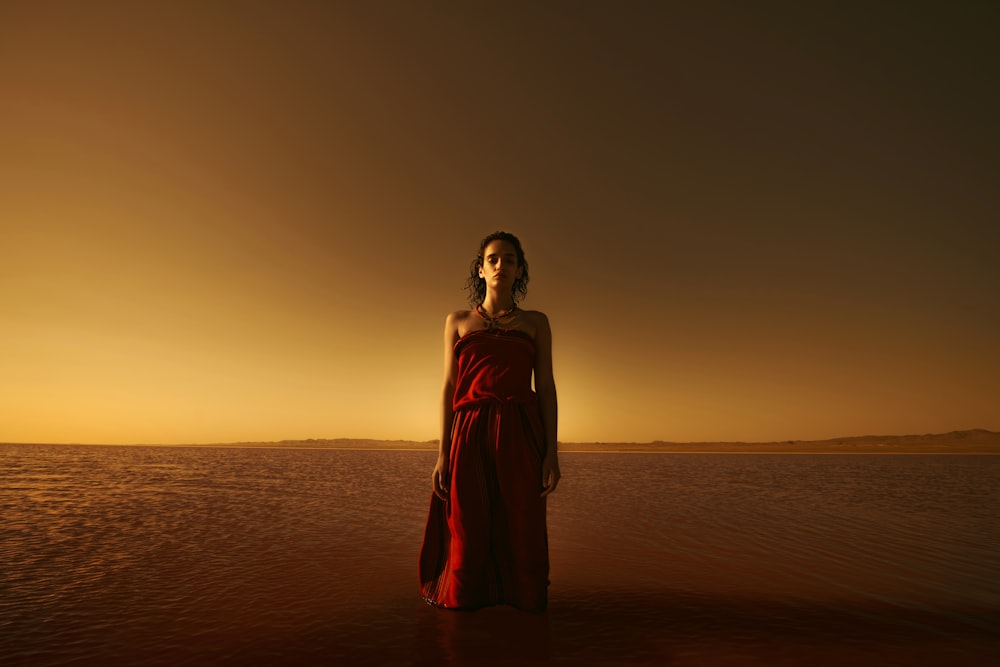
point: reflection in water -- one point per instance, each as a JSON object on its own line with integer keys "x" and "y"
{"x": 179, "y": 556}
{"x": 471, "y": 637}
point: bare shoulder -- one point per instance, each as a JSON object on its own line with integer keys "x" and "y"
{"x": 457, "y": 316}
{"x": 537, "y": 323}
{"x": 458, "y": 323}
{"x": 536, "y": 317}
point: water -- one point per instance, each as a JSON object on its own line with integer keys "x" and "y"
{"x": 160, "y": 555}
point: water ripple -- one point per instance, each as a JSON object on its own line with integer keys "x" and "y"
{"x": 151, "y": 555}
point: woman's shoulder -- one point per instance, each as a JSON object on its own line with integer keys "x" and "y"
{"x": 535, "y": 323}
{"x": 457, "y": 323}
{"x": 457, "y": 316}
{"x": 536, "y": 317}
{"x": 460, "y": 322}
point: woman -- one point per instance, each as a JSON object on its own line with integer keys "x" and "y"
{"x": 485, "y": 542}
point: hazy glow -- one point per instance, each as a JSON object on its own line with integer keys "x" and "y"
{"x": 248, "y": 223}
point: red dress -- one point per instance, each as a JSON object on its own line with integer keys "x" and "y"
{"x": 488, "y": 545}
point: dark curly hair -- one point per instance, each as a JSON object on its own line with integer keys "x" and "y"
{"x": 476, "y": 286}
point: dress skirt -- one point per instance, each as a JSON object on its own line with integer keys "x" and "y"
{"x": 487, "y": 544}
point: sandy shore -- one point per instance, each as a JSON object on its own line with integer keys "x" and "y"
{"x": 975, "y": 441}
{"x": 957, "y": 442}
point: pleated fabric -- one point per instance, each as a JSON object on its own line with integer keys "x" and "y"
{"x": 487, "y": 544}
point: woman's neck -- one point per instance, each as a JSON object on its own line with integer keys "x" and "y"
{"x": 495, "y": 304}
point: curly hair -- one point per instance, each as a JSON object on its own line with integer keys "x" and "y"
{"x": 476, "y": 286}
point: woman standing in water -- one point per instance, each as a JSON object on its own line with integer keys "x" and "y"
{"x": 485, "y": 542}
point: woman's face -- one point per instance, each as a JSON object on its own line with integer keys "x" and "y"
{"x": 500, "y": 267}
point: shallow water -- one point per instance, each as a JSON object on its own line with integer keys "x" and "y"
{"x": 171, "y": 555}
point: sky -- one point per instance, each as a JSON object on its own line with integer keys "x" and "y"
{"x": 247, "y": 221}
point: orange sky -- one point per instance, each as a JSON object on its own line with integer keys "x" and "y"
{"x": 230, "y": 221}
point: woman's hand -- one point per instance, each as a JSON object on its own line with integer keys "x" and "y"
{"x": 550, "y": 474}
{"x": 439, "y": 479}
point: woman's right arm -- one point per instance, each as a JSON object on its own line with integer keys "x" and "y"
{"x": 440, "y": 476}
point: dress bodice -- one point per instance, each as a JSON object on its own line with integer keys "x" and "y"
{"x": 494, "y": 364}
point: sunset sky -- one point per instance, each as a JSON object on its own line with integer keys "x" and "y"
{"x": 229, "y": 221}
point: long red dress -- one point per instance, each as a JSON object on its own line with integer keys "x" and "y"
{"x": 488, "y": 545}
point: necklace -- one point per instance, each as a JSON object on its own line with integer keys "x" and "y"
{"x": 492, "y": 321}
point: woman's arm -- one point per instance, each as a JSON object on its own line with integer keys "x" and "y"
{"x": 545, "y": 388}
{"x": 439, "y": 478}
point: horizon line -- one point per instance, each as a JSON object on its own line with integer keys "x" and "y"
{"x": 289, "y": 441}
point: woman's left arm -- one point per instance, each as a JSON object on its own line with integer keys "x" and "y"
{"x": 545, "y": 388}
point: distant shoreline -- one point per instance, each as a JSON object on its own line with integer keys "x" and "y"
{"x": 977, "y": 441}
